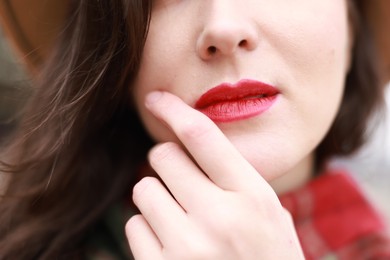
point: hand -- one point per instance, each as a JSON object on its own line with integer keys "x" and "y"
{"x": 215, "y": 205}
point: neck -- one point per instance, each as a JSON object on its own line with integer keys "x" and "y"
{"x": 295, "y": 178}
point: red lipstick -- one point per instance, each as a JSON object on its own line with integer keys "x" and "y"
{"x": 231, "y": 102}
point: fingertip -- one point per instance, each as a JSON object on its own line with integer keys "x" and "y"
{"x": 153, "y": 97}
{"x": 142, "y": 240}
{"x": 163, "y": 151}
{"x": 132, "y": 225}
{"x": 140, "y": 189}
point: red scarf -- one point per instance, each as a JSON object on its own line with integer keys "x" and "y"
{"x": 334, "y": 220}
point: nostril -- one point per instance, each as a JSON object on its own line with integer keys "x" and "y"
{"x": 212, "y": 50}
{"x": 243, "y": 43}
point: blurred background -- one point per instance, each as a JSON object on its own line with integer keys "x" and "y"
{"x": 371, "y": 165}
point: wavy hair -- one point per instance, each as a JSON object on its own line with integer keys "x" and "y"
{"x": 78, "y": 142}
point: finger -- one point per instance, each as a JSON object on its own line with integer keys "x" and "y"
{"x": 164, "y": 215}
{"x": 143, "y": 242}
{"x": 188, "y": 184}
{"x": 208, "y": 145}
{"x": 293, "y": 232}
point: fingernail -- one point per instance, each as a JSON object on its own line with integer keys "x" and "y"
{"x": 153, "y": 97}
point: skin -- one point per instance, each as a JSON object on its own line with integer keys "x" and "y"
{"x": 224, "y": 177}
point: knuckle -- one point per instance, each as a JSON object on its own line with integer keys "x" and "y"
{"x": 141, "y": 188}
{"x": 195, "y": 129}
{"x": 133, "y": 225}
{"x": 163, "y": 152}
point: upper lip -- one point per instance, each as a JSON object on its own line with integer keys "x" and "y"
{"x": 243, "y": 89}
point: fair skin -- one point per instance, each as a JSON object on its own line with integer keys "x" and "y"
{"x": 224, "y": 176}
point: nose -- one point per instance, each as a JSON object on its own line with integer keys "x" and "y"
{"x": 225, "y": 33}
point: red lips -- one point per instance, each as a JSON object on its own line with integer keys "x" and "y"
{"x": 232, "y": 102}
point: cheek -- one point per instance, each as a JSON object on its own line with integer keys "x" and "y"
{"x": 147, "y": 81}
{"x": 317, "y": 56}
{"x": 166, "y": 53}
{"x": 155, "y": 71}
{"x": 318, "y": 39}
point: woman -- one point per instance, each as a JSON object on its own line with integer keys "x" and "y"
{"x": 286, "y": 86}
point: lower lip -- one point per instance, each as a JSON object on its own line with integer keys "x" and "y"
{"x": 234, "y": 110}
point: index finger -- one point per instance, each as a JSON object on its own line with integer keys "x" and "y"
{"x": 211, "y": 149}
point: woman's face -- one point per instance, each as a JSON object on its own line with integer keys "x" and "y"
{"x": 300, "y": 48}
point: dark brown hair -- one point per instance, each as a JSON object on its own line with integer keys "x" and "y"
{"x": 79, "y": 142}
{"x": 363, "y": 94}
